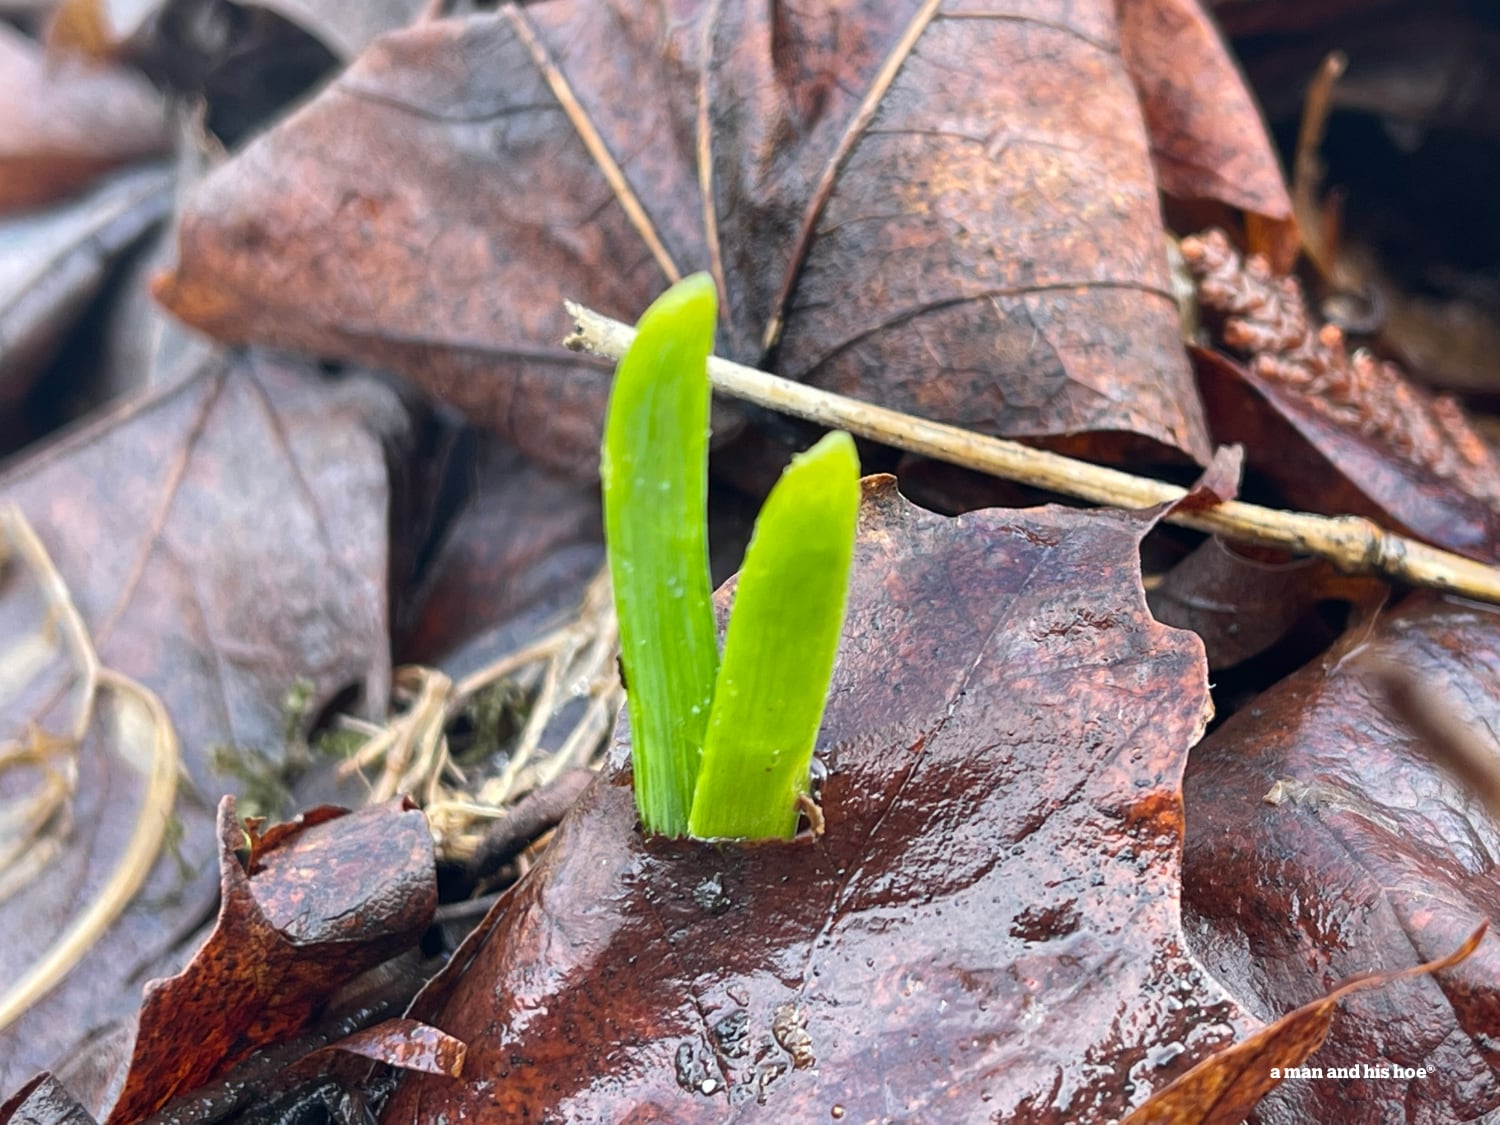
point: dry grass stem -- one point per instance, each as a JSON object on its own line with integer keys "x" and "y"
{"x": 575, "y": 661}
{"x": 1351, "y": 543}
{"x": 137, "y": 856}
{"x": 32, "y": 829}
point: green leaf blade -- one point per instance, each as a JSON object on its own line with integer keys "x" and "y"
{"x": 779, "y": 649}
{"x": 654, "y": 471}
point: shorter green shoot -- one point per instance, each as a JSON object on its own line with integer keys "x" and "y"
{"x": 779, "y": 649}
{"x": 718, "y": 751}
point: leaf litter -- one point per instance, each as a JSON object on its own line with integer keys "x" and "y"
{"x": 857, "y": 168}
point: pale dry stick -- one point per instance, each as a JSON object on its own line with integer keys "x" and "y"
{"x": 415, "y": 734}
{"x": 585, "y": 736}
{"x": 426, "y": 723}
{"x": 1307, "y": 176}
{"x": 581, "y": 652}
{"x": 1351, "y": 543}
{"x": 32, "y": 847}
{"x": 596, "y": 599}
{"x": 135, "y": 863}
{"x": 594, "y": 675}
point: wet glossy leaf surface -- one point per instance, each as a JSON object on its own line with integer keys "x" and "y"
{"x": 987, "y": 923}
{"x": 1322, "y": 842}
{"x": 944, "y": 207}
{"x": 403, "y": 1043}
{"x": 321, "y": 904}
{"x": 879, "y": 193}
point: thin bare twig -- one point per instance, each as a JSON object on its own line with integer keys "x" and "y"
{"x": 1353, "y": 544}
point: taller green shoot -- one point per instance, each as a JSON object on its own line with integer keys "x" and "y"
{"x": 655, "y": 474}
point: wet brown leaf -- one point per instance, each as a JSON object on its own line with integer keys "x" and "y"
{"x": 1239, "y": 604}
{"x": 62, "y": 127}
{"x": 937, "y": 208}
{"x": 324, "y": 904}
{"x": 1207, "y": 138}
{"x": 1322, "y": 842}
{"x": 44, "y": 1101}
{"x": 1323, "y": 462}
{"x": 221, "y": 540}
{"x": 1224, "y": 1089}
{"x": 517, "y": 556}
{"x": 403, "y": 1043}
{"x": 987, "y": 927}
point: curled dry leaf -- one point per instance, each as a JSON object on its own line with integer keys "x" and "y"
{"x": 1225, "y": 1088}
{"x": 326, "y": 902}
{"x": 987, "y": 927}
{"x": 62, "y": 127}
{"x": 156, "y": 519}
{"x": 942, "y": 209}
{"x": 1323, "y": 842}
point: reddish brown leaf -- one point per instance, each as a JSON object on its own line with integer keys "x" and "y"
{"x": 1223, "y": 1089}
{"x": 1338, "y": 432}
{"x": 986, "y": 928}
{"x": 1220, "y": 481}
{"x": 518, "y": 556}
{"x": 1207, "y": 137}
{"x": 1239, "y": 604}
{"x": 60, "y": 128}
{"x": 326, "y": 904}
{"x": 1322, "y": 842}
{"x": 403, "y": 1043}
{"x": 220, "y": 540}
{"x": 945, "y": 211}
